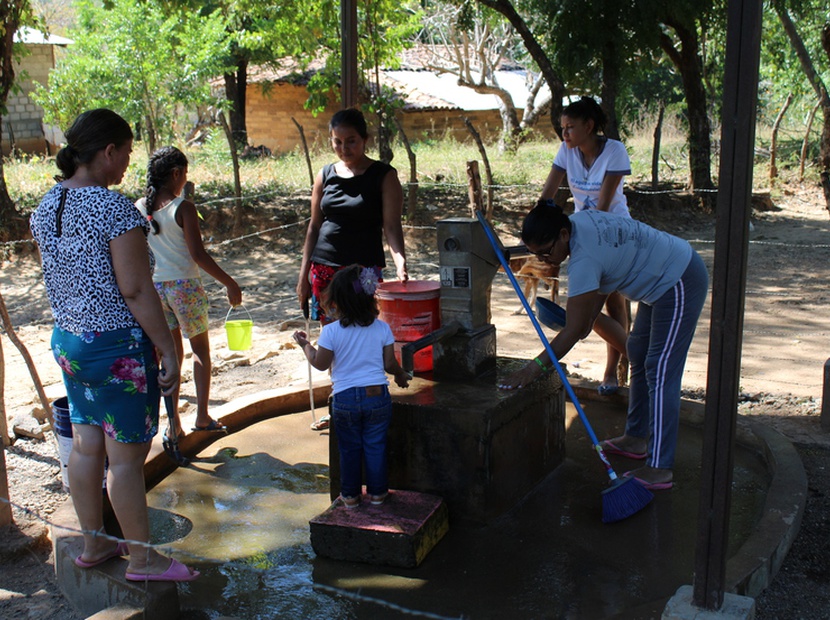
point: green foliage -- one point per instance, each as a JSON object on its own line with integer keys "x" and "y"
{"x": 150, "y": 66}
{"x": 781, "y": 70}
{"x": 385, "y": 28}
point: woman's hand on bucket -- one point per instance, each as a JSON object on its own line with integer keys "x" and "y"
{"x": 234, "y": 294}
{"x": 402, "y": 272}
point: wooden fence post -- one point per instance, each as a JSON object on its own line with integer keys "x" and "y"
{"x": 305, "y": 150}
{"x": 474, "y": 188}
{"x": 7, "y": 325}
{"x": 487, "y": 170}
{"x": 412, "y": 186}
{"x": 237, "y": 184}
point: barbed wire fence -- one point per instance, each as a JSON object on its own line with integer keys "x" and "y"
{"x": 532, "y": 190}
{"x": 216, "y": 289}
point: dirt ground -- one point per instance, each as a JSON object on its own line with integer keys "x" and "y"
{"x": 784, "y": 351}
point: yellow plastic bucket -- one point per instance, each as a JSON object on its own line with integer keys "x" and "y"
{"x": 239, "y": 331}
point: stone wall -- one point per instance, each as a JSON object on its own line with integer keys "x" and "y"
{"x": 23, "y": 123}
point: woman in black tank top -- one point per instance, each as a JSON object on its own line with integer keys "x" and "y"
{"x": 354, "y": 203}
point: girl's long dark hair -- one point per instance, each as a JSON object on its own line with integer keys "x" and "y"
{"x": 544, "y": 223}
{"x": 345, "y": 298}
{"x": 587, "y": 109}
{"x": 161, "y": 165}
{"x": 91, "y": 132}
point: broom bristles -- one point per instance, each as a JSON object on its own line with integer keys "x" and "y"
{"x": 623, "y": 498}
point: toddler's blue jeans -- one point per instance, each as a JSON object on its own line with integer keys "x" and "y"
{"x": 361, "y": 419}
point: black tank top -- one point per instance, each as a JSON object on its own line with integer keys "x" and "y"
{"x": 352, "y": 231}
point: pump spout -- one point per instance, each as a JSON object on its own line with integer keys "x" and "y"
{"x": 410, "y": 348}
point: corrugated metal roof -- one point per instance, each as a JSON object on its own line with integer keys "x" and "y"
{"x": 30, "y": 36}
{"x": 423, "y": 88}
{"x": 432, "y": 90}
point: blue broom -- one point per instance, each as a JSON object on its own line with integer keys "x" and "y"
{"x": 626, "y": 495}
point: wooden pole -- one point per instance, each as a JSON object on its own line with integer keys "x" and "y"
{"x": 655, "y": 151}
{"x": 805, "y": 143}
{"x": 773, "y": 148}
{"x": 487, "y": 170}
{"x": 412, "y": 186}
{"x": 743, "y": 44}
{"x": 5, "y": 507}
{"x": 305, "y": 151}
{"x": 9, "y": 328}
{"x": 474, "y": 188}
{"x": 5, "y": 439}
{"x": 237, "y": 183}
{"x": 348, "y": 53}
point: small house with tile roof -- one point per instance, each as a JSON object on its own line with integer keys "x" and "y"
{"x": 434, "y": 105}
{"x": 23, "y": 127}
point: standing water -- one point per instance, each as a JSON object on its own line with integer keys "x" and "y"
{"x": 240, "y": 515}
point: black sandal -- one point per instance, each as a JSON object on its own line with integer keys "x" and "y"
{"x": 171, "y": 444}
{"x": 171, "y": 449}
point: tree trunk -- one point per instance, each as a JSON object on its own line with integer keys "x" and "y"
{"x": 824, "y": 152}
{"x": 806, "y": 142}
{"x": 509, "y": 139}
{"x": 655, "y": 151}
{"x": 609, "y": 89}
{"x": 237, "y": 183}
{"x": 818, "y": 86}
{"x": 533, "y": 108}
{"x": 687, "y": 61}
{"x": 236, "y": 85}
{"x": 12, "y": 224}
{"x": 773, "y": 168}
{"x": 412, "y": 186}
{"x": 557, "y": 86}
{"x": 477, "y": 137}
{"x": 305, "y": 151}
{"x": 150, "y": 130}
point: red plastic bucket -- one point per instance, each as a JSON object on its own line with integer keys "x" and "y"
{"x": 413, "y": 310}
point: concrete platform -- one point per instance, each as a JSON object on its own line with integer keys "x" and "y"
{"x": 250, "y": 495}
{"x": 103, "y": 587}
{"x": 401, "y": 532}
{"x": 480, "y": 448}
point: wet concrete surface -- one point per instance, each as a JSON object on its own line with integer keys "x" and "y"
{"x": 240, "y": 515}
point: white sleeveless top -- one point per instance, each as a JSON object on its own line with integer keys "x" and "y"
{"x": 173, "y": 260}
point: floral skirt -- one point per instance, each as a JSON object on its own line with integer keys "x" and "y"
{"x": 111, "y": 381}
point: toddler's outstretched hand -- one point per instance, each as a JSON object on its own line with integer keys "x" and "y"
{"x": 300, "y": 337}
{"x": 402, "y": 378}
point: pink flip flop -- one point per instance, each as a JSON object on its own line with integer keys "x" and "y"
{"x": 651, "y": 486}
{"x": 175, "y": 572}
{"x": 120, "y": 549}
{"x": 610, "y": 448}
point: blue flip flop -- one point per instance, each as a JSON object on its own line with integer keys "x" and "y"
{"x": 213, "y": 426}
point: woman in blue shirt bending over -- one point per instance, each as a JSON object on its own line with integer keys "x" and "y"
{"x": 607, "y": 253}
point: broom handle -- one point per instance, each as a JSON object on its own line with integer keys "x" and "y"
{"x": 491, "y": 235}
{"x": 310, "y": 384}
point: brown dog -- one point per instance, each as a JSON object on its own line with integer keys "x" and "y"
{"x": 532, "y": 271}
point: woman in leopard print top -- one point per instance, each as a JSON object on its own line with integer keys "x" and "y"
{"x": 108, "y": 325}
